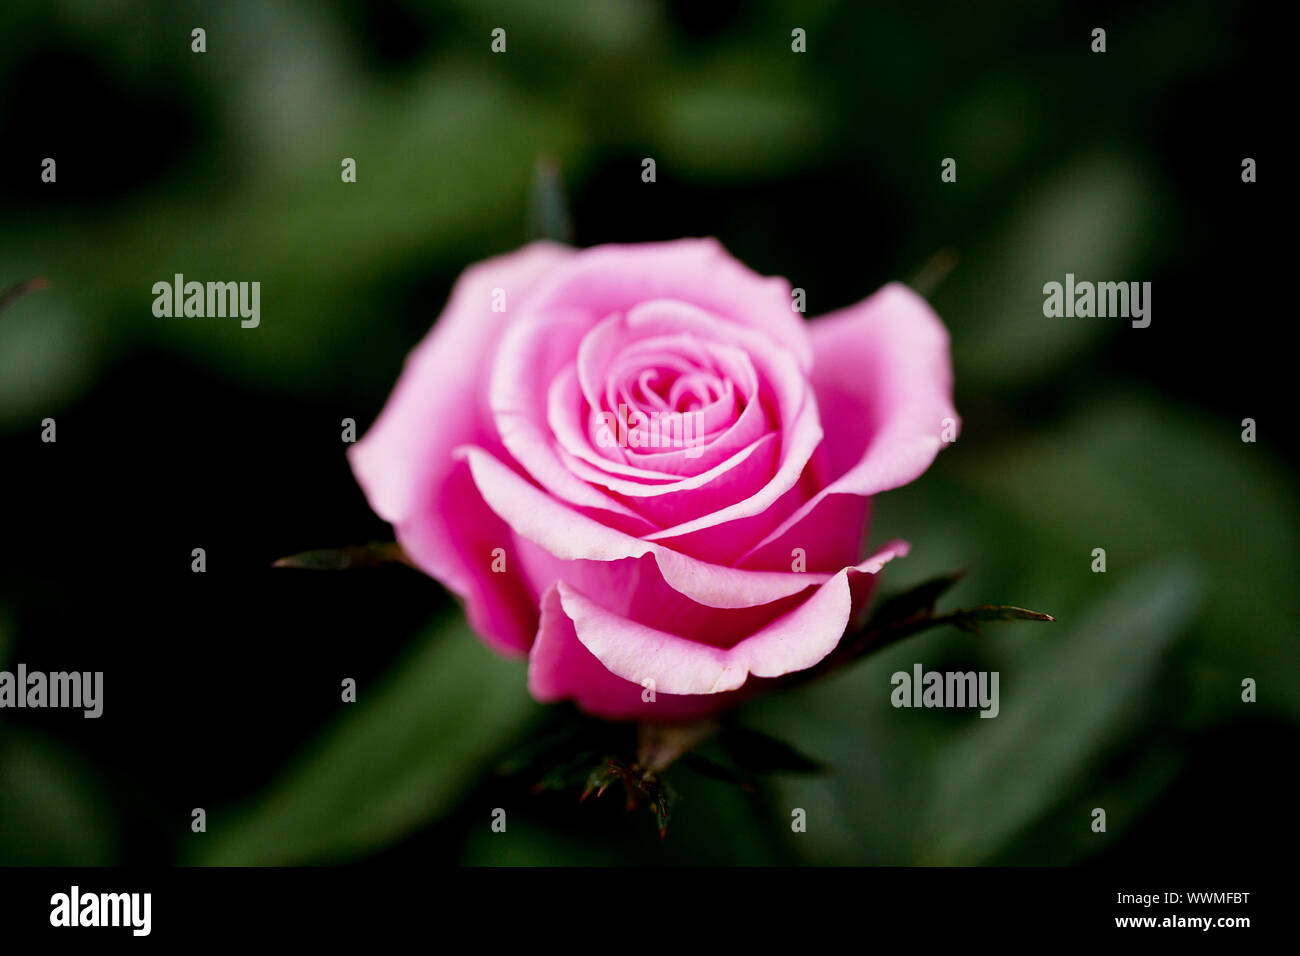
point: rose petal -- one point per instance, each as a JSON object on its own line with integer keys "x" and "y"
{"x": 560, "y": 668}
{"x": 883, "y": 379}
{"x": 610, "y": 279}
{"x": 677, "y": 668}
{"x": 570, "y": 535}
{"x": 440, "y": 522}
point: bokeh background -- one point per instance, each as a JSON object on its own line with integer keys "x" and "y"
{"x": 222, "y": 689}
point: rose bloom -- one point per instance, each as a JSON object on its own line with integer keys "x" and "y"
{"x": 640, "y": 467}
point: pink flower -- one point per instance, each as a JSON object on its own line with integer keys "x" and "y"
{"x": 639, "y": 466}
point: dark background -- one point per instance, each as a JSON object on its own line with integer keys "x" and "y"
{"x": 222, "y": 689}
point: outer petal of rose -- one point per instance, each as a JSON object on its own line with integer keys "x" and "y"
{"x": 883, "y": 378}
{"x": 560, "y": 668}
{"x": 792, "y": 642}
{"x": 633, "y": 588}
{"x": 404, "y": 463}
{"x": 570, "y": 535}
{"x": 601, "y": 660}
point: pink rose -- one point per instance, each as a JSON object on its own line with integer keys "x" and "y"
{"x": 639, "y": 466}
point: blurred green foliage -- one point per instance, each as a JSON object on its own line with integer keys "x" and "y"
{"x": 400, "y": 759}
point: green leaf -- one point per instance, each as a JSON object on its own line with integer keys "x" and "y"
{"x": 1056, "y": 718}
{"x": 48, "y": 352}
{"x": 911, "y": 786}
{"x": 1126, "y": 795}
{"x": 399, "y": 758}
{"x": 754, "y": 751}
{"x": 993, "y": 612}
{"x": 1150, "y": 481}
{"x": 970, "y": 618}
{"x": 714, "y": 770}
{"x": 919, "y": 599}
{"x": 52, "y": 812}
{"x": 911, "y": 613}
{"x": 344, "y": 559}
{"x": 568, "y": 773}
